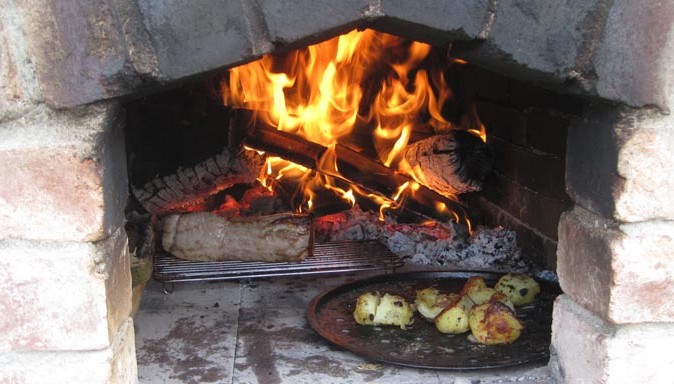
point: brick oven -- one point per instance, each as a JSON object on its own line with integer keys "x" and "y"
{"x": 576, "y": 97}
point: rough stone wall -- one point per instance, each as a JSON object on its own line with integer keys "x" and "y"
{"x": 83, "y": 51}
{"x": 616, "y": 249}
{"x": 64, "y": 264}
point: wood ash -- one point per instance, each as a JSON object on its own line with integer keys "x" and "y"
{"x": 431, "y": 244}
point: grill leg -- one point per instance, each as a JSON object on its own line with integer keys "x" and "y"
{"x": 168, "y": 288}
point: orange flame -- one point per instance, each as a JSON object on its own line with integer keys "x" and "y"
{"x": 363, "y": 80}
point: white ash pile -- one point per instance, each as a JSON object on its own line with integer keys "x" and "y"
{"x": 431, "y": 244}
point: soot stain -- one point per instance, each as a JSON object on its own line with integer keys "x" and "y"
{"x": 317, "y": 364}
{"x": 188, "y": 349}
{"x": 260, "y": 353}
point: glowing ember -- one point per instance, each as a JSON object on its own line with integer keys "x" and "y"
{"x": 363, "y": 81}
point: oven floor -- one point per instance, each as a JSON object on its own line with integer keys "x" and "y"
{"x": 256, "y": 332}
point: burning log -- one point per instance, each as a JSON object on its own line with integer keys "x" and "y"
{"x": 190, "y": 188}
{"x": 353, "y": 167}
{"x": 452, "y": 163}
{"x": 203, "y": 236}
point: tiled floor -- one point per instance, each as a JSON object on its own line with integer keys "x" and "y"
{"x": 256, "y": 332}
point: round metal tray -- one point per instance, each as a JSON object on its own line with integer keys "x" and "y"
{"x": 330, "y": 314}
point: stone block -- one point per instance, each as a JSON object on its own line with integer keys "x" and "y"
{"x": 114, "y": 364}
{"x": 64, "y": 174}
{"x": 79, "y": 51}
{"x": 290, "y": 20}
{"x": 206, "y": 35}
{"x": 587, "y": 350}
{"x": 63, "y": 295}
{"x": 621, "y": 272}
{"x": 457, "y": 19}
{"x": 619, "y": 163}
{"x": 19, "y": 90}
{"x": 633, "y": 64}
{"x": 548, "y": 41}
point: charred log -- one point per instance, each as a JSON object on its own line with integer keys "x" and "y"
{"x": 353, "y": 167}
{"x": 203, "y": 236}
{"x": 452, "y": 163}
{"x": 189, "y": 189}
{"x": 140, "y": 231}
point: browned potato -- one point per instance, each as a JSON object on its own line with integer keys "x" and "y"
{"x": 454, "y": 317}
{"x": 494, "y": 323}
{"x": 520, "y": 289}
{"x": 498, "y": 296}
{"x": 473, "y": 283}
{"x": 430, "y": 302}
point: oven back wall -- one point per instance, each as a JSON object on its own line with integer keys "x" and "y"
{"x": 526, "y": 132}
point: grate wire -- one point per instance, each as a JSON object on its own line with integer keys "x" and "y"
{"x": 331, "y": 257}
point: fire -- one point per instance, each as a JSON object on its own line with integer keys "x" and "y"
{"x": 362, "y": 81}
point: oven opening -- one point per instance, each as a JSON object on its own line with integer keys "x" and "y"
{"x": 362, "y": 155}
{"x": 267, "y": 160}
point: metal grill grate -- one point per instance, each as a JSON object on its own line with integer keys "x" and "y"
{"x": 333, "y": 257}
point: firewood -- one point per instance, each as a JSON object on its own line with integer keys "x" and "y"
{"x": 190, "y": 188}
{"x": 452, "y": 163}
{"x": 354, "y": 167}
{"x": 203, "y": 236}
{"x": 140, "y": 230}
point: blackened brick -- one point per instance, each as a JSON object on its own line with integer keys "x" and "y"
{"x": 540, "y": 172}
{"x": 547, "y": 131}
{"x": 526, "y": 96}
{"x": 504, "y": 123}
{"x": 538, "y": 211}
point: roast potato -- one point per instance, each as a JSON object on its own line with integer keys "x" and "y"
{"x": 520, "y": 289}
{"x": 375, "y": 309}
{"x": 494, "y": 323}
{"x": 472, "y": 284}
{"x": 366, "y": 308}
{"x": 481, "y": 295}
{"x": 430, "y": 302}
{"x": 454, "y": 317}
{"x": 498, "y": 296}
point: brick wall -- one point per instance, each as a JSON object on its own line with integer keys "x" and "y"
{"x": 64, "y": 264}
{"x": 526, "y": 132}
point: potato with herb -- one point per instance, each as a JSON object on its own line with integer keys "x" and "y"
{"x": 494, "y": 323}
{"x": 366, "y": 308}
{"x": 375, "y": 309}
{"x": 453, "y": 319}
{"x": 520, "y": 289}
{"x": 481, "y": 295}
{"x": 430, "y": 302}
{"x": 425, "y": 301}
